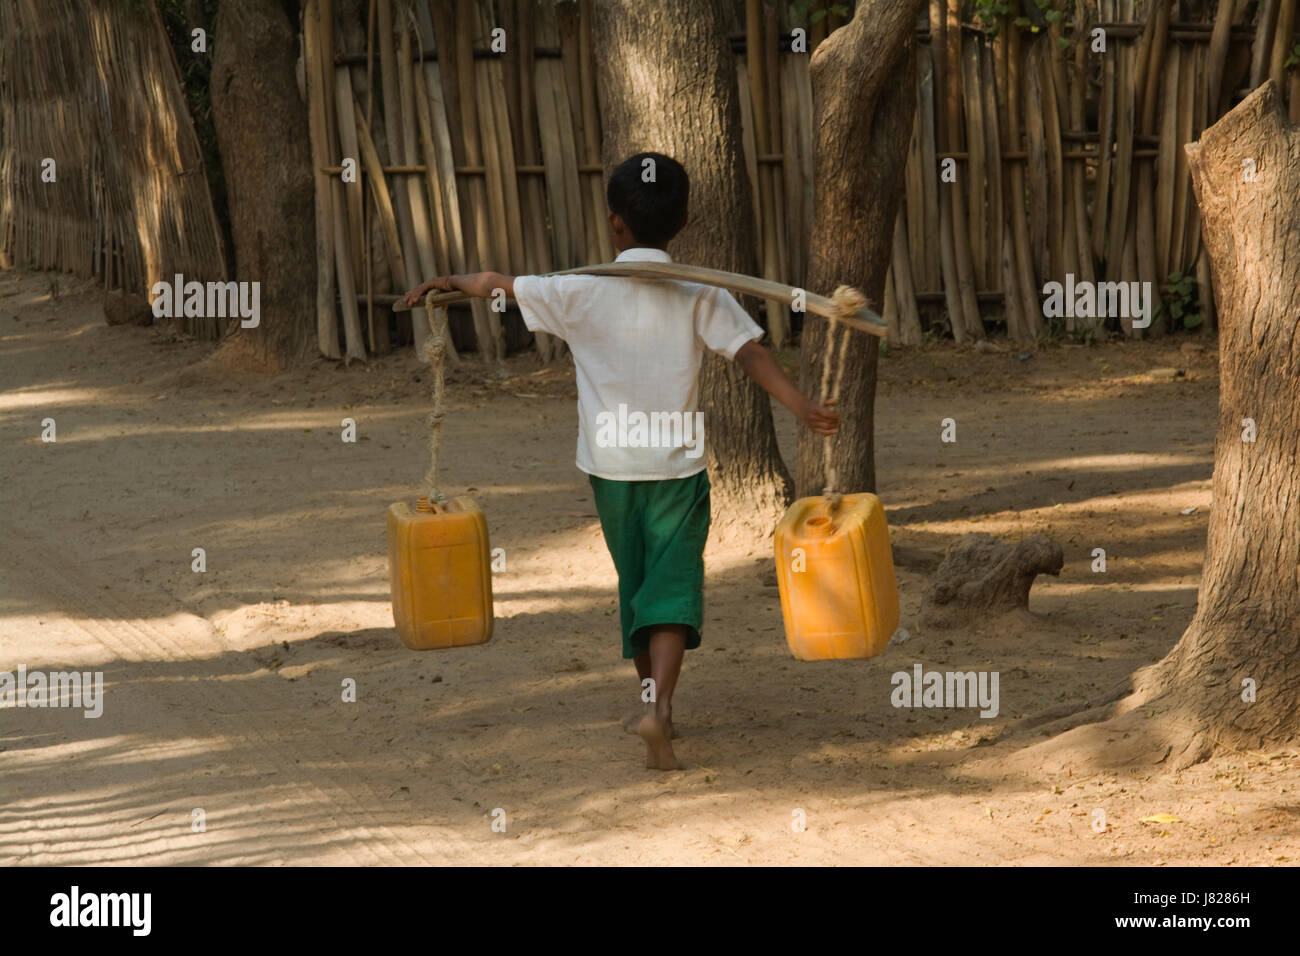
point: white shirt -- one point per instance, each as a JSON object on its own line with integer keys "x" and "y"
{"x": 637, "y": 346}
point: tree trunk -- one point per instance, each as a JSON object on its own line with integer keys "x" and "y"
{"x": 863, "y": 77}
{"x": 667, "y": 82}
{"x": 1247, "y": 623}
{"x": 261, "y": 128}
{"x": 1233, "y": 679}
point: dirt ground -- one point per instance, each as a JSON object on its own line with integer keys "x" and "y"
{"x": 222, "y": 689}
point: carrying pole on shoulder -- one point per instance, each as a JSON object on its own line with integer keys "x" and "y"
{"x": 861, "y": 318}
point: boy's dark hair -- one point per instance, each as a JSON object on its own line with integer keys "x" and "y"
{"x": 654, "y": 211}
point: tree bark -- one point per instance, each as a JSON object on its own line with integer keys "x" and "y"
{"x": 261, "y": 126}
{"x": 1247, "y": 623}
{"x": 1244, "y": 640}
{"x": 667, "y": 82}
{"x": 863, "y": 77}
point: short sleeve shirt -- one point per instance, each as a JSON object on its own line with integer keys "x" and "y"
{"x": 637, "y": 345}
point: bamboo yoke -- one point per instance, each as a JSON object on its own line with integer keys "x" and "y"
{"x": 847, "y": 307}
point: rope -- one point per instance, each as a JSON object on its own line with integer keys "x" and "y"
{"x": 847, "y": 301}
{"x": 435, "y": 351}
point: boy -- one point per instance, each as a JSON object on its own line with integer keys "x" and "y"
{"x": 637, "y": 346}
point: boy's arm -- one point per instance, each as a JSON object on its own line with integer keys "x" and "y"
{"x": 478, "y": 284}
{"x": 758, "y": 363}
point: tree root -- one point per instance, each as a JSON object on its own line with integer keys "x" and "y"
{"x": 981, "y": 577}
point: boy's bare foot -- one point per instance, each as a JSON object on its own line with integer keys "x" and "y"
{"x": 631, "y": 721}
{"x": 655, "y": 731}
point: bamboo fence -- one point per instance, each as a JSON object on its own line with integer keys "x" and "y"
{"x": 459, "y": 135}
{"x": 1035, "y": 154}
{"x": 93, "y": 86}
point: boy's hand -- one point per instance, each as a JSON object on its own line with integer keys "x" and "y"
{"x": 820, "y": 418}
{"x": 412, "y": 298}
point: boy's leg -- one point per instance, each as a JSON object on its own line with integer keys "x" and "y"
{"x": 642, "y": 662}
{"x": 669, "y": 607}
{"x": 667, "y": 648}
{"x": 656, "y": 533}
{"x": 619, "y": 522}
{"x": 632, "y": 720}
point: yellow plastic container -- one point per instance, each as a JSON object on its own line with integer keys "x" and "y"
{"x": 439, "y": 573}
{"x": 839, "y": 596}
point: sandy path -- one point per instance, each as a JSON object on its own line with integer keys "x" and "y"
{"x": 222, "y": 689}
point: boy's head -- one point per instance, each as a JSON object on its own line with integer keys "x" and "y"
{"x": 647, "y": 196}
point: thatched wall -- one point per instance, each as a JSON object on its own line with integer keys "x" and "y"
{"x": 93, "y": 85}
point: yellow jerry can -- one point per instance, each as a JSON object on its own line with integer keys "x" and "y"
{"x": 439, "y": 573}
{"x": 835, "y": 569}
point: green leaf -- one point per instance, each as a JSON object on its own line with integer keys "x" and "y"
{"x": 1191, "y": 320}
{"x": 1021, "y": 22}
{"x": 1062, "y": 43}
{"x": 817, "y": 16}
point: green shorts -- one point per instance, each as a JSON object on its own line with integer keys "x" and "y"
{"x": 656, "y": 532}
